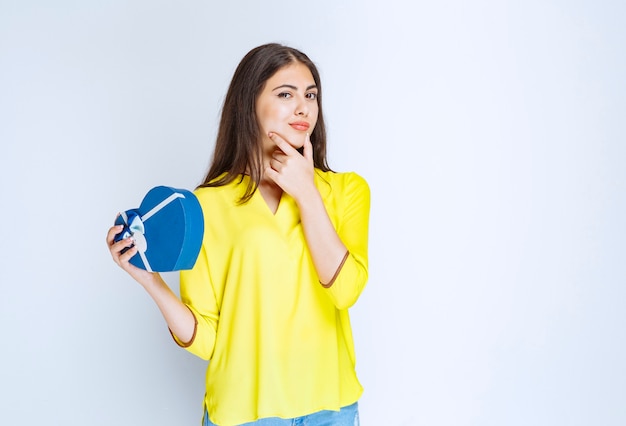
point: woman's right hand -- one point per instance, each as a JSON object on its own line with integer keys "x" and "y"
{"x": 123, "y": 259}
{"x": 179, "y": 318}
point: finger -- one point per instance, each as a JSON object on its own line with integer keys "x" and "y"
{"x": 272, "y": 174}
{"x": 275, "y": 164}
{"x": 126, "y": 256}
{"x": 282, "y": 144}
{"x": 279, "y": 156}
{"x": 308, "y": 149}
{"x": 116, "y": 248}
{"x": 113, "y": 231}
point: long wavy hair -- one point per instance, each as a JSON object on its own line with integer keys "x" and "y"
{"x": 238, "y": 144}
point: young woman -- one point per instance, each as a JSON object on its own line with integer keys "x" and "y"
{"x": 284, "y": 256}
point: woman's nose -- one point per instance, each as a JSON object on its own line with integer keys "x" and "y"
{"x": 302, "y": 108}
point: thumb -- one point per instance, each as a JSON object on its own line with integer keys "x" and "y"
{"x": 307, "y": 152}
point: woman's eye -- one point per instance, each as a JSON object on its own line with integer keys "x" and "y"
{"x": 311, "y": 95}
{"x": 284, "y": 95}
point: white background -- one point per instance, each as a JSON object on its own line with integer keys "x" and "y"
{"x": 492, "y": 136}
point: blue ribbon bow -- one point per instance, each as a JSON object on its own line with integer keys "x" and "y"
{"x": 133, "y": 227}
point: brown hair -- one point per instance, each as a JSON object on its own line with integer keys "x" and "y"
{"x": 237, "y": 147}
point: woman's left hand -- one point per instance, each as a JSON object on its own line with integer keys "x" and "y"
{"x": 290, "y": 170}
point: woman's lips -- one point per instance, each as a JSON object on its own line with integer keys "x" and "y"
{"x": 300, "y": 125}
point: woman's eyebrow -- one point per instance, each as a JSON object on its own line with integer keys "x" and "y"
{"x": 292, "y": 87}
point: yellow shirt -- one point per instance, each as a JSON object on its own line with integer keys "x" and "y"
{"x": 279, "y": 344}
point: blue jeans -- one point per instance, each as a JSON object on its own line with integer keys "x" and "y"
{"x": 347, "y": 416}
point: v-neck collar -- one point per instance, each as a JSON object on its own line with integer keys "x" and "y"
{"x": 287, "y": 214}
{"x": 285, "y": 219}
{"x": 280, "y": 201}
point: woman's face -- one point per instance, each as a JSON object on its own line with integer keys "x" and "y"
{"x": 287, "y": 106}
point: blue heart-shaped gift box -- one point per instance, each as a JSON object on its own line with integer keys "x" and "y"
{"x": 167, "y": 228}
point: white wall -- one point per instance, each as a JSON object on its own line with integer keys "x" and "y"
{"x": 492, "y": 135}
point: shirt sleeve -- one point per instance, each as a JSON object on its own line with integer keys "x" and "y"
{"x": 352, "y": 222}
{"x": 198, "y": 293}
